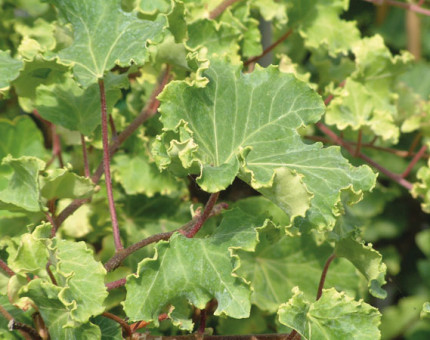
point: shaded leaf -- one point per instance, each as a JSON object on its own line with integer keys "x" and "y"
{"x": 9, "y": 69}
{"x": 334, "y": 316}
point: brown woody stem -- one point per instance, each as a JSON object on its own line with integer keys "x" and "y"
{"x": 106, "y": 165}
{"x": 125, "y": 326}
{"x": 216, "y": 12}
{"x": 324, "y": 274}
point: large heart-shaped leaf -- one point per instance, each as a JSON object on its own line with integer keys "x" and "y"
{"x": 246, "y": 125}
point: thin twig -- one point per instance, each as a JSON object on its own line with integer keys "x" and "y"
{"x": 324, "y": 274}
{"x": 125, "y": 326}
{"x": 395, "y": 177}
{"x": 268, "y": 49}
{"x": 294, "y": 335}
{"x": 50, "y": 274}
{"x": 206, "y": 214}
{"x": 19, "y": 326}
{"x": 216, "y": 12}
{"x": 116, "y": 260}
{"x": 106, "y": 165}
{"x": 409, "y": 6}
{"x": 399, "y": 153}
{"x": 85, "y": 156}
{"x": 5, "y": 313}
{"x": 202, "y": 325}
{"x": 112, "y": 127}
{"x": 197, "y": 336}
{"x": 141, "y": 324}
{"x": 146, "y": 113}
{"x": 415, "y": 142}
{"x": 116, "y": 284}
{"x": 51, "y": 220}
{"x": 414, "y": 161}
{"x": 359, "y": 141}
{"x": 6, "y": 268}
{"x": 56, "y": 145}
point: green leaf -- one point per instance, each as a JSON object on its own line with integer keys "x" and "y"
{"x": 195, "y": 271}
{"x": 74, "y": 108}
{"x": 21, "y": 137}
{"x": 62, "y": 183}
{"x": 20, "y": 190}
{"x": 327, "y": 30}
{"x": 246, "y": 125}
{"x": 334, "y": 316}
{"x": 31, "y": 255}
{"x": 56, "y": 315}
{"x": 282, "y": 261}
{"x": 110, "y": 329}
{"x": 138, "y": 176}
{"x": 367, "y": 260}
{"x": 425, "y": 312}
{"x": 213, "y": 38}
{"x": 105, "y": 36}
{"x": 421, "y": 187}
{"x": 367, "y": 100}
{"x": 9, "y": 69}
{"x": 37, "y": 38}
{"x": 83, "y": 289}
{"x": 36, "y": 72}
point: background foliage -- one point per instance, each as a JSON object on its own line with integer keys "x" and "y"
{"x": 318, "y": 158}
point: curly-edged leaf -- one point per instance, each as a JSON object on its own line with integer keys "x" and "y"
{"x": 36, "y": 72}
{"x": 81, "y": 279}
{"x": 421, "y": 188}
{"x": 63, "y": 183}
{"x": 31, "y": 255}
{"x": 19, "y": 184}
{"x": 327, "y": 30}
{"x": 367, "y": 260}
{"x": 334, "y": 316}
{"x": 37, "y": 38}
{"x": 246, "y": 125}
{"x": 21, "y": 137}
{"x": 9, "y": 69}
{"x": 282, "y": 261}
{"x": 194, "y": 270}
{"x": 105, "y": 36}
{"x": 271, "y": 10}
{"x": 74, "y": 108}
{"x": 368, "y": 100}
{"x": 214, "y": 38}
{"x": 138, "y": 176}
{"x": 56, "y": 315}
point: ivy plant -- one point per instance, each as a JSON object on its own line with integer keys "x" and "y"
{"x": 212, "y": 168}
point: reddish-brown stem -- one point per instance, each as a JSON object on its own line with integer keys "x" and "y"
{"x": 116, "y": 260}
{"x": 116, "y": 284}
{"x": 106, "y": 165}
{"x": 414, "y": 143}
{"x": 202, "y": 324}
{"x": 6, "y": 268}
{"x": 146, "y": 113}
{"x": 56, "y": 145}
{"x": 399, "y": 153}
{"x": 85, "y": 156}
{"x": 53, "y": 224}
{"x": 112, "y": 127}
{"x": 125, "y": 326}
{"x": 50, "y": 274}
{"x": 5, "y": 313}
{"x": 358, "y": 146}
{"x": 293, "y": 335}
{"x": 409, "y": 6}
{"x": 368, "y": 160}
{"x": 197, "y": 336}
{"x": 216, "y": 12}
{"x": 268, "y": 49}
{"x": 414, "y": 161}
{"x": 324, "y": 274}
{"x": 206, "y": 213}
{"x": 19, "y": 326}
{"x": 141, "y": 324}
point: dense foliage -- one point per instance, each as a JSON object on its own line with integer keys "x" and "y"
{"x": 238, "y": 198}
